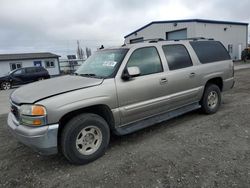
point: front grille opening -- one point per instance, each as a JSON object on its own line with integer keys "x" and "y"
{"x": 15, "y": 111}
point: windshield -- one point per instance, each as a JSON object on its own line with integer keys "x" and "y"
{"x": 11, "y": 71}
{"x": 102, "y": 64}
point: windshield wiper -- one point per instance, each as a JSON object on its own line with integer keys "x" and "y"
{"x": 90, "y": 75}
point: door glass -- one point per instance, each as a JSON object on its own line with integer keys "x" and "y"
{"x": 177, "y": 56}
{"x": 18, "y": 72}
{"x": 30, "y": 70}
{"x": 147, "y": 60}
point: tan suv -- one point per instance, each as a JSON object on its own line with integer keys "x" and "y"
{"x": 120, "y": 90}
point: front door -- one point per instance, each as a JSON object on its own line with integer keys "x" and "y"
{"x": 18, "y": 77}
{"x": 144, "y": 95}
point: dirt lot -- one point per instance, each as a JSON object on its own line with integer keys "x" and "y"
{"x": 194, "y": 150}
{"x": 4, "y": 101}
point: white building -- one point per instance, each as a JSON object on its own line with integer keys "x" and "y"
{"x": 70, "y": 65}
{"x": 233, "y": 35}
{"x": 9, "y": 62}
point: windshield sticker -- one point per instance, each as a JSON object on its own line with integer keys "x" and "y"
{"x": 109, "y": 63}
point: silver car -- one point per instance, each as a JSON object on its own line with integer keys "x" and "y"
{"x": 119, "y": 90}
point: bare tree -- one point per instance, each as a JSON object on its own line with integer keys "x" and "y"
{"x": 88, "y": 52}
{"x": 80, "y": 52}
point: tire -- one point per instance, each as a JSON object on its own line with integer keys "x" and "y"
{"x": 85, "y": 138}
{"x": 211, "y": 99}
{"x": 40, "y": 79}
{"x": 5, "y": 85}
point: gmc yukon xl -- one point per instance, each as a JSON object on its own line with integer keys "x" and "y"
{"x": 119, "y": 90}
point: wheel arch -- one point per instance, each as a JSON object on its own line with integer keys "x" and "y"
{"x": 101, "y": 109}
{"x": 217, "y": 81}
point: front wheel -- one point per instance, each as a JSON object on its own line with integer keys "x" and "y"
{"x": 5, "y": 85}
{"x": 211, "y": 99}
{"x": 85, "y": 138}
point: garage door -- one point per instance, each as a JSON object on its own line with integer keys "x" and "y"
{"x": 173, "y": 35}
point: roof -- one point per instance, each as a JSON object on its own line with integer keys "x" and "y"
{"x": 26, "y": 56}
{"x": 189, "y": 20}
{"x": 159, "y": 41}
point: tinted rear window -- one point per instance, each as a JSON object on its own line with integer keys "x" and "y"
{"x": 210, "y": 51}
{"x": 40, "y": 69}
{"x": 30, "y": 70}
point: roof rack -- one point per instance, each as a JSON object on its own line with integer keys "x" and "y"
{"x": 192, "y": 38}
{"x": 155, "y": 40}
{"x": 148, "y": 40}
{"x": 195, "y": 38}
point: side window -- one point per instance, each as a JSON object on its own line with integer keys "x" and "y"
{"x": 39, "y": 69}
{"x": 147, "y": 59}
{"x": 30, "y": 70}
{"x": 177, "y": 56}
{"x": 210, "y": 51}
{"x": 49, "y": 64}
{"x": 18, "y": 72}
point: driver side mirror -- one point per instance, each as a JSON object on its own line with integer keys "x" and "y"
{"x": 131, "y": 72}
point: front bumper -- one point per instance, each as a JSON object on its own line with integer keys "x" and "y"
{"x": 41, "y": 139}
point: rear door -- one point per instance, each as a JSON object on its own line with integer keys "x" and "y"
{"x": 184, "y": 83}
{"x": 30, "y": 75}
{"x": 42, "y": 73}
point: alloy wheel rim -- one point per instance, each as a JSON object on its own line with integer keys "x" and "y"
{"x": 6, "y": 85}
{"x": 89, "y": 140}
{"x": 212, "y": 99}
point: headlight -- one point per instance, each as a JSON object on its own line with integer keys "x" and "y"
{"x": 33, "y": 110}
{"x": 33, "y": 115}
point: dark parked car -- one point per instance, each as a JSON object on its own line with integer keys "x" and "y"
{"x": 23, "y": 76}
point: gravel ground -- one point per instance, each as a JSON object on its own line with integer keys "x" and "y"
{"x": 4, "y": 101}
{"x": 193, "y": 150}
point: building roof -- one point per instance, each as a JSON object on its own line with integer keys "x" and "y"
{"x": 189, "y": 20}
{"x": 26, "y": 56}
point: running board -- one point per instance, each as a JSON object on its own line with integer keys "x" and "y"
{"x": 129, "y": 128}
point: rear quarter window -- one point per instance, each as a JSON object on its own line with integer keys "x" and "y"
{"x": 210, "y": 51}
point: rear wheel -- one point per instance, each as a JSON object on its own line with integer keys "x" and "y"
{"x": 5, "y": 85}
{"x": 85, "y": 138}
{"x": 211, "y": 99}
{"x": 40, "y": 79}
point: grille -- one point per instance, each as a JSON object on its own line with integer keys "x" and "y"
{"x": 15, "y": 111}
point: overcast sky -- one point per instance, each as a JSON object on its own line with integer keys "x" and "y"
{"x": 55, "y": 25}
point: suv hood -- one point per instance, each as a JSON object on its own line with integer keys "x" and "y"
{"x": 36, "y": 91}
{"x": 4, "y": 77}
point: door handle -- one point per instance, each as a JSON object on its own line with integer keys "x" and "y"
{"x": 163, "y": 80}
{"x": 191, "y": 75}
